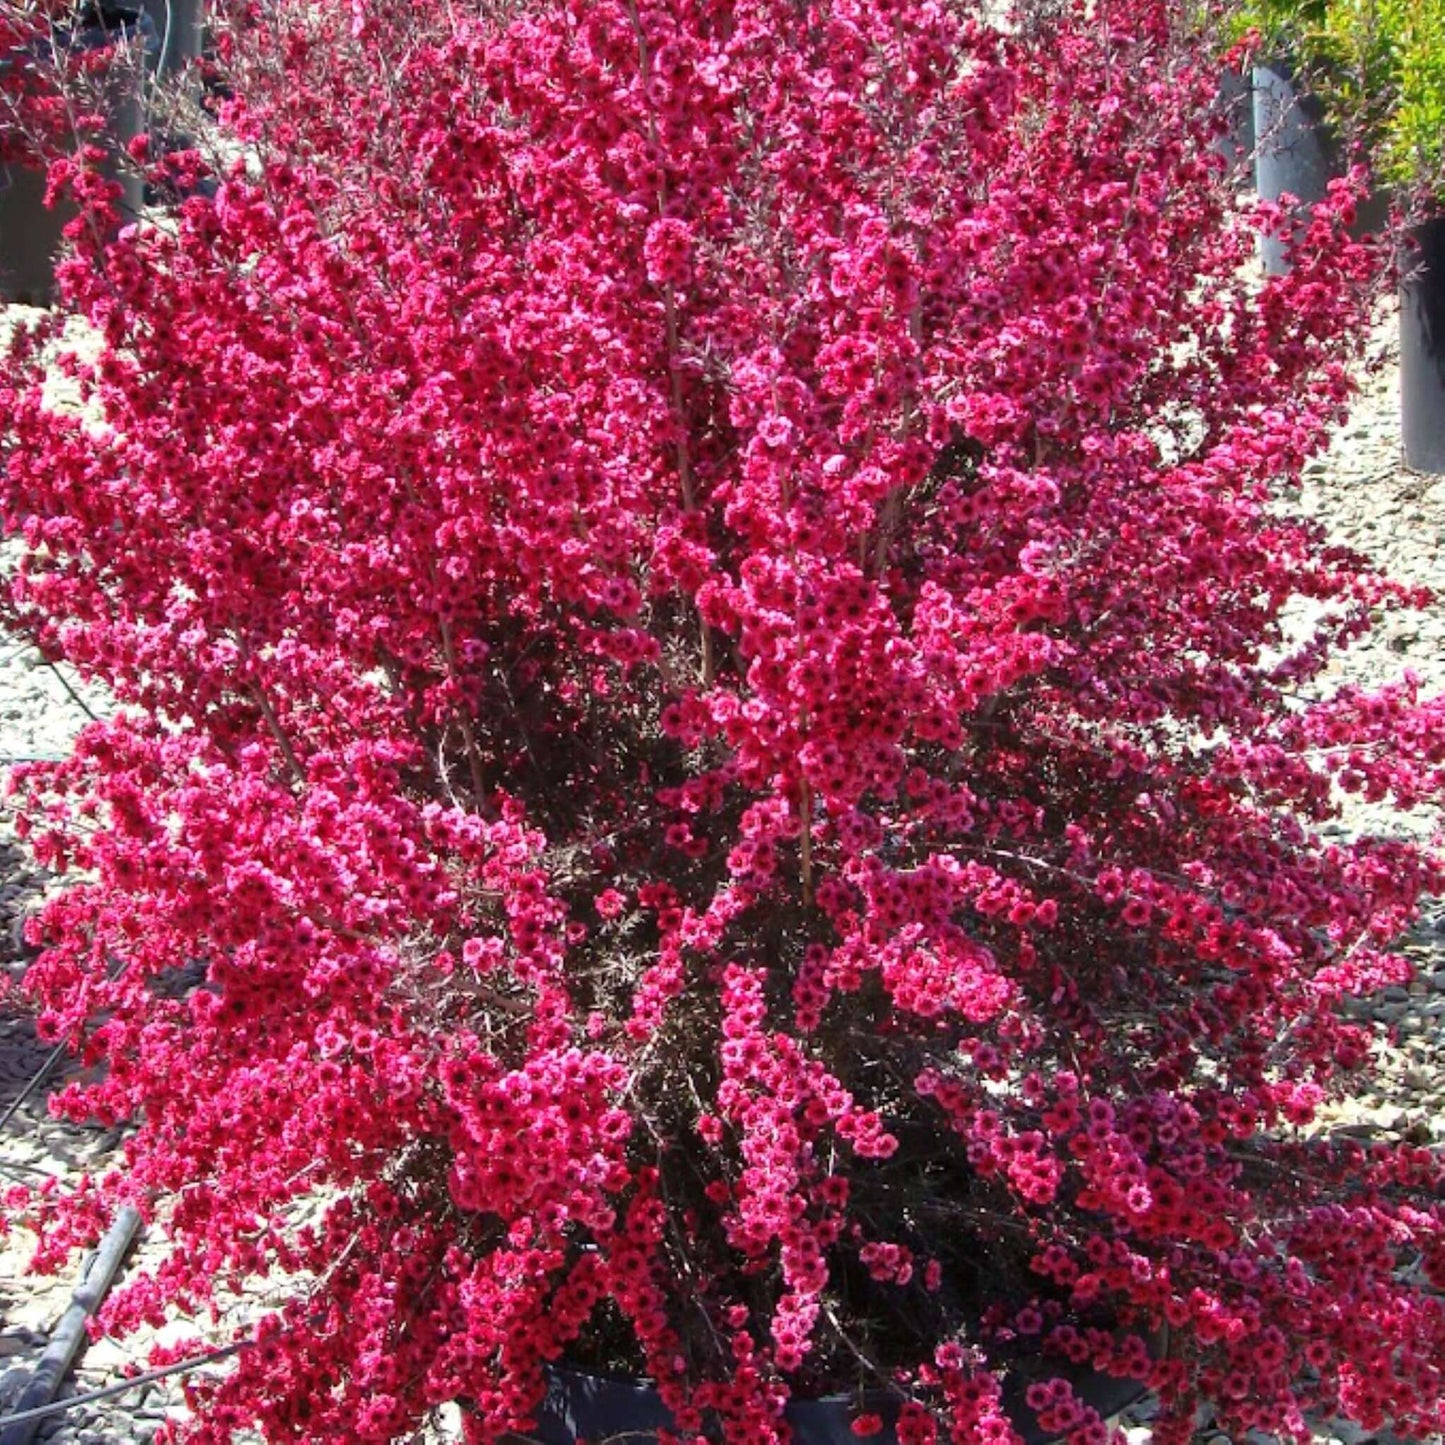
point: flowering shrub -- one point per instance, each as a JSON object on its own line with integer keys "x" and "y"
{"x": 52, "y": 89}
{"x": 699, "y": 642}
{"x": 27, "y": 104}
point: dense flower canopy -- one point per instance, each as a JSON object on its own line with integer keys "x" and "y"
{"x": 27, "y": 101}
{"x": 57, "y": 62}
{"x": 698, "y": 628}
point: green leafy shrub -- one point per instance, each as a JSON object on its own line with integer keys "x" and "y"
{"x": 1378, "y": 69}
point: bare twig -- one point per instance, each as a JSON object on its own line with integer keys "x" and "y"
{"x": 273, "y": 723}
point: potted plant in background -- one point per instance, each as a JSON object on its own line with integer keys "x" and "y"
{"x": 1324, "y": 85}
{"x": 181, "y": 28}
{"x": 1414, "y": 154}
{"x": 689, "y": 590}
{"x": 71, "y": 77}
{"x": 1367, "y": 73}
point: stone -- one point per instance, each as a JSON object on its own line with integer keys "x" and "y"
{"x": 108, "y": 1358}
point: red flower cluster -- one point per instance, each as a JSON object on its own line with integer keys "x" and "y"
{"x": 52, "y": 91}
{"x": 27, "y": 100}
{"x": 693, "y": 600}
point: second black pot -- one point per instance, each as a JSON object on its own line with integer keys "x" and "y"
{"x": 30, "y": 234}
{"x": 1422, "y": 347}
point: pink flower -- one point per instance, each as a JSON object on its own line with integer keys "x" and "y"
{"x": 668, "y": 252}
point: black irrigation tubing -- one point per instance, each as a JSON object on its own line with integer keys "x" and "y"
{"x": 75, "y": 697}
{"x": 68, "y": 1340}
{"x": 122, "y": 1387}
{"x": 51, "y": 1059}
{"x": 20, "y": 1171}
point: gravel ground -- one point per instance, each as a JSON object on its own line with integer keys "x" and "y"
{"x": 1361, "y": 493}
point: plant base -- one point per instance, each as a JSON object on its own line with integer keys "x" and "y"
{"x": 587, "y": 1407}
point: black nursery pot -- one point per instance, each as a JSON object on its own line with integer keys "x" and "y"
{"x": 30, "y": 234}
{"x": 180, "y": 27}
{"x": 1422, "y": 347}
{"x": 1293, "y": 153}
{"x": 591, "y": 1408}
{"x": 1235, "y": 102}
